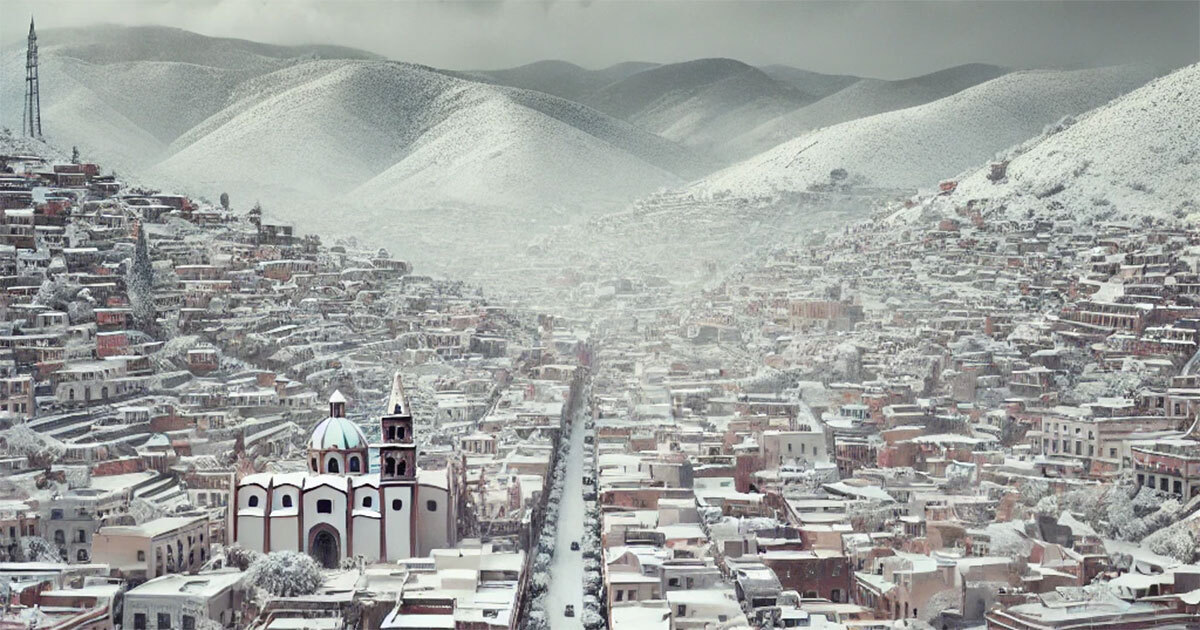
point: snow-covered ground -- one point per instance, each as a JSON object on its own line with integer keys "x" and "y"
{"x": 566, "y": 573}
{"x": 1138, "y": 155}
{"x": 918, "y": 146}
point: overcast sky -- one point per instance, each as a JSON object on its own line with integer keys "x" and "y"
{"x": 882, "y": 39}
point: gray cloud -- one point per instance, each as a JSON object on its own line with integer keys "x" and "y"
{"x": 884, "y": 39}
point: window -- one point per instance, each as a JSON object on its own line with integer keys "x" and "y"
{"x": 332, "y": 466}
{"x": 397, "y": 504}
{"x": 325, "y": 506}
{"x": 835, "y": 595}
{"x": 164, "y": 621}
{"x": 367, "y": 501}
{"x": 60, "y": 537}
{"x": 56, "y": 515}
{"x": 314, "y": 464}
{"x": 681, "y": 610}
{"x": 139, "y": 621}
{"x": 392, "y": 432}
{"x": 141, "y": 555}
{"x": 400, "y": 433}
{"x": 354, "y": 465}
{"x": 620, "y": 595}
{"x": 252, "y": 501}
{"x": 189, "y": 622}
{"x": 673, "y": 582}
{"x": 287, "y": 501}
{"x": 389, "y": 467}
{"x": 82, "y": 555}
{"x": 402, "y": 468}
{"x": 80, "y": 535}
{"x": 431, "y": 506}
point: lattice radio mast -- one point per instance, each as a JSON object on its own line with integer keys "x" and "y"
{"x": 31, "y": 116}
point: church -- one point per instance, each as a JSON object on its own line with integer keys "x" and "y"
{"x": 337, "y": 508}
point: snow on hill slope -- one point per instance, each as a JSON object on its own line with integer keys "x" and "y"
{"x": 105, "y": 44}
{"x": 1138, "y": 155}
{"x": 496, "y": 152}
{"x": 918, "y": 146}
{"x": 814, "y": 84}
{"x": 860, "y": 99}
{"x": 701, "y": 103}
{"x": 122, "y": 94}
{"x": 560, "y": 78}
{"x": 412, "y": 136}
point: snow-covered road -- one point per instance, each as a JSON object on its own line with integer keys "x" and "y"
{"x": 566, "y": 572}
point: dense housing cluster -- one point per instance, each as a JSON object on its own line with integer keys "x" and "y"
{"x": 209, "y": 421}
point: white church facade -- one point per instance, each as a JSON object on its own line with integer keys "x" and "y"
{"x": 337, "y": 509}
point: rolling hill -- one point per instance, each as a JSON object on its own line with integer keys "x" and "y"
{"x": 312, "y": 124}
{"x": 397, "y": 135}
{"x": 124, "y": 94}
{"x": 560, "y": 78}
{"x": 814, "y": 84}
{"x": 1138, "y": 155}
{"x": 862, "y": 98}
{"x": 702, "y": 103}
{"x": 915, "y": 147}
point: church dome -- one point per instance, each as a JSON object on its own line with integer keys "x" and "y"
{"x": 337, "y": 434}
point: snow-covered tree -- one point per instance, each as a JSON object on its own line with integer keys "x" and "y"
{"x": 286, "y": 574}
{"x": 41, "y": 450}
{"x": 1180, "y": 541}
{"x": 592, "y": 581}
{"x": 139, "y": 283}
{"x": 37, "y": 549}
{"x": 592, "y": 620}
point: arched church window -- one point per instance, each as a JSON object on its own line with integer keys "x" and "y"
{"x": 333, "y": 466}
{"x": 392, "y": 432}
{"x": 402, "y": 468}
{"x": 353, "y": 465}
{"x": 389, "y": 466}
{"x": 399, "y": 433}
{"x": 397, "y": 504}
{"x": 314, "y": 465}
{"x": 325, "y": 506}
{"x": 287, "y": 500}
{"x": 252, "y": 501}
{"x": 431, "y": 506}
{"x": 367, "y": 501}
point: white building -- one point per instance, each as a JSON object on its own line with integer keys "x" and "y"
{"x": 337, "y": 509}
{"x": 180, "y": 601}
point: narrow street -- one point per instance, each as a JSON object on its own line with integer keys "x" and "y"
{"x": 566, "y": 572}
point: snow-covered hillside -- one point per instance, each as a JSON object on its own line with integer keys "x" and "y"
{"x": 560, "y": 78}
{"x": 918, "y": 146}
{"x": 1138, "y": 155}
{"x": 815, "y": 84}
{"x": 411, "y": 136}
{"x": 860, "y": 99}
{"x": 702, "y": 103}
{"x": 308, "y": 125}
{"x": 122, "y": 94}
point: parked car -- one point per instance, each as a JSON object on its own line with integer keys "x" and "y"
{"x": 570, "y": 611}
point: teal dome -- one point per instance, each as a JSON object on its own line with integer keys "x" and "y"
{"x": 337, "y": 433}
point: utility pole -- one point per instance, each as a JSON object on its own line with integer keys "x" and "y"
{"x": 31, "y": 115}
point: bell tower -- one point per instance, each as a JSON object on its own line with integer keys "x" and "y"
{"x": 398, "y": 451}
{"x": 397, "y": 476}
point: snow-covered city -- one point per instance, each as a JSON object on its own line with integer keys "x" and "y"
{"x": 305, "y": 324}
